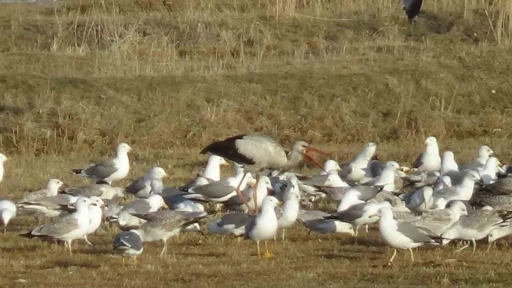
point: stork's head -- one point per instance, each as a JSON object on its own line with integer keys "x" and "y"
{"x": 306, "y": 150}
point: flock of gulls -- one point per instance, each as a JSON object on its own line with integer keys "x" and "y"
{"x": 433, "y": 202}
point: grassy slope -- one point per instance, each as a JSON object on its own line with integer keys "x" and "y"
{"x": 169, "y": 77}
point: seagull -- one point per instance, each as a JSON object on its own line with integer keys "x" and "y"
{"x": 355, "y": 170}
{"x": 231, "y": 224}
{"x": 222, "y": 190}
{"x": 103, "y": 191}
{"x": 109, "y": 170}
{"x": 387, "y": 179}
{"x": 51, "y": 206}
{"x": 476, "y": 226}
{"x": 421, "y": 200}
{"x": 164, "y": 224}
{"x": 7, "y": 212}
{"x": 450, "y": 168}
{"x": 95, "y": 216}
{"x": 128, "y": 244}
{"x": 52, "y": 189}
{"x": 290, "y": 209}
{"x": 484, "y": 152}
{"x": 399, "y": 235}
{"x": 66, "y": 228}
{"x": 429, "y": 160}
{"x": 435, "y": 222}
{"x": 150, "y": 184}
{"x": 264, "y": 226}
{"x": 462, "y": 191}
{"x": 314, "y": 221}
{"x": 359, "y": 214}
{"x": 126, "y": 221}
{"x": 489, "y": 172}
{"x": 330, "y": 165}
{"x": 210, "y": 174}
{"x": 3, "y": 158}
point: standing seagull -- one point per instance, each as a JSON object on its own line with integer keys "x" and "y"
{"x": 412, "y": 8}
{"x": 109, "y": 170}
{"x": 264, "y": 226}
{"x": 259, "y": 152}
{"x": 67, "y": 228}
{"x": 2, "y": 160}
{"x": 400, "y": 235}
{"x": 128, "y": 244}
{"x": 429, "y": 160}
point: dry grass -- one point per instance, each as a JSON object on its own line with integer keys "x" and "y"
{"x": 168, "y": 77}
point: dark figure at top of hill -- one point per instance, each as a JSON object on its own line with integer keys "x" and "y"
{"x": 411, "y": 8}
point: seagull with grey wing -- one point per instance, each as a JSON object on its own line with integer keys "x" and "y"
{"x": 66, "y": 228}
{"x": 103, "y": 191}
{"x": 150, "y": 184}
{"x": 109, "y": 170}
{"x": 355, "y": 170}
{"x": 436, "y": 222}
{"x": 476, "y": 225}
{"x": 163, "y": 224}
{"x": 400, "y": 235}
{"x": 222, "y": 190}
{"x": 429, "y": 160}
{"x": 128, "y": 244}
{"x": 314, "y": 220}
{"x": 462, "y": 191}
{"x": 125, "y": 219}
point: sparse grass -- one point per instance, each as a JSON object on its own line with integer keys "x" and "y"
{"x": 169, "y": 77}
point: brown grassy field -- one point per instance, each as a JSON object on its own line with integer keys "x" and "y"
{"x": 168, "y": 77}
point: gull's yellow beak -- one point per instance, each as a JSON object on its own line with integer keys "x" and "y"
{"x": 280, "y": 203}
{"x": 374, "y": 216}
{"x": 165, "y": 206}
{"x": 500, "y": 164}
{"x": 166, "y": 176}
{"x": 225, "y": 164}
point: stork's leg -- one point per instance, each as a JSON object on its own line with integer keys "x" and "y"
{"x": 412, "y": 255}
{"x": 135, "y": 260}
{"x": 474, "y": 245}
{"x": 283, "y": 234}
{"x": 242, "y": 198}
{"x": 255, "y": 195}
{"x": 366, "y": 228}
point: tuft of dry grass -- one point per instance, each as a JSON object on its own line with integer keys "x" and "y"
{"x": 169, "y": 77}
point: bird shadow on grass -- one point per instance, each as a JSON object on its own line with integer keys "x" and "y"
{"x": 67, "y": 263}
{"x": 332, "y": 256}
{"x": 198, "y": 254}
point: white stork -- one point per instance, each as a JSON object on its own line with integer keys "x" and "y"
{"x": 259, "y": 152}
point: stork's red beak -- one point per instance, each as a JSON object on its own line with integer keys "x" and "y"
{"x": 308, "y": 156}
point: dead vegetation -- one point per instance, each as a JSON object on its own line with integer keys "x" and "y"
{"x": 169, "y": 77}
